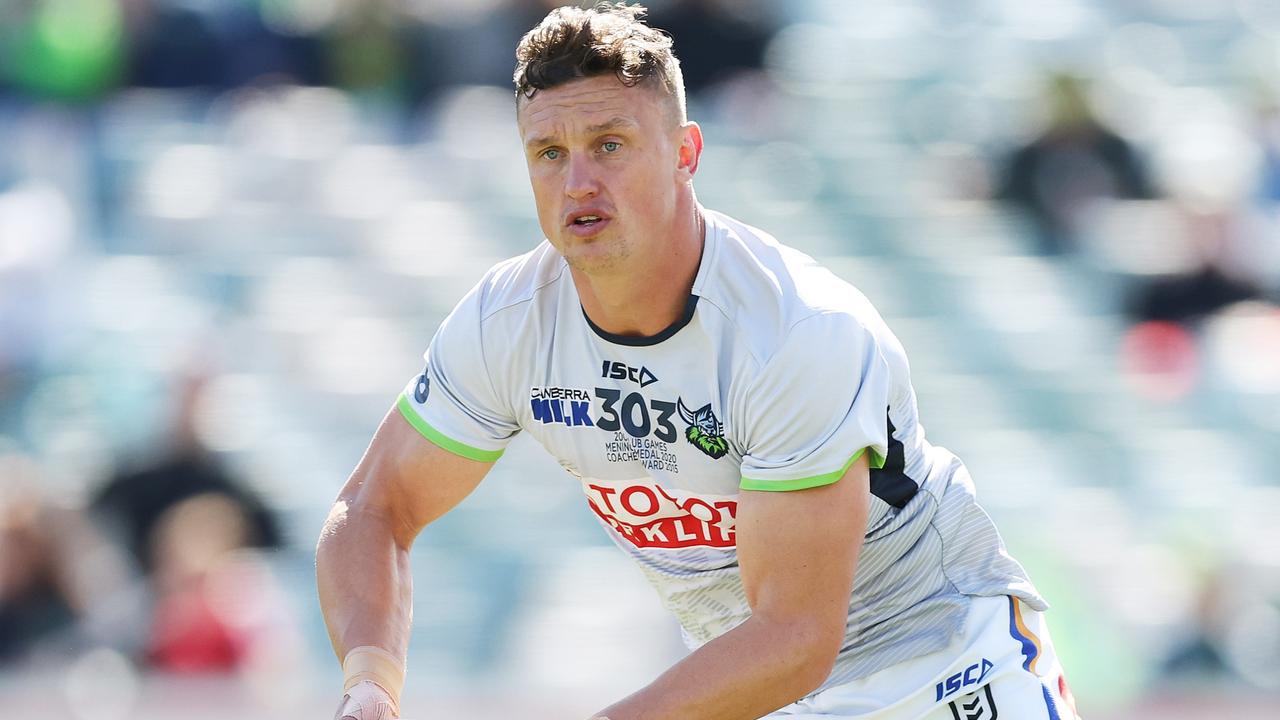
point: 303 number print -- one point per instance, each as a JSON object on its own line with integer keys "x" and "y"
{"x": 632, "y": 415}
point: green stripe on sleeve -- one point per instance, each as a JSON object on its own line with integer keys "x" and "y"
{"x": 441, "y": 439}
{"x": 810, "y": 482}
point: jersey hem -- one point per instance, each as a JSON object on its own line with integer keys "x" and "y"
{"x": 445, "y": 442}
{"x": 875, "y": 461}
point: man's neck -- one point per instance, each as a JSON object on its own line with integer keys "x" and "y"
{"x": 652, "y": 291}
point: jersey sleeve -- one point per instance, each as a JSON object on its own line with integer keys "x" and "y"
{"x": 817, "y": 405}
{"x": 454, "y": 403}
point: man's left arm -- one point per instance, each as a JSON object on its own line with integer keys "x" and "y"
{"x": 797, "y": 551}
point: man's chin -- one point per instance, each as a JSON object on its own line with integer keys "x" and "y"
{"x": 594, "y": 257}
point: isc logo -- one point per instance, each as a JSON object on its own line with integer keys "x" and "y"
{"x": 622, "y": 371}
{"x": 972, "y": 675}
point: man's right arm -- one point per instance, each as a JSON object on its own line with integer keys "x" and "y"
{"x": 403, "y": 482}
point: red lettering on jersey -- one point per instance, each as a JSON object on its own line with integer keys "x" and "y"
{"x": 604, "y": 492}
{"x": 649, "y": 516}
{"x": 650, "y": 505}
{"x": 652, "y": 533}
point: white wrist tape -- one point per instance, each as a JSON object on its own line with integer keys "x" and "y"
{"x": 377, "y": 666}
{"x": 367, "y": 701}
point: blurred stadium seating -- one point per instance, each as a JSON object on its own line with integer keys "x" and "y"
{"x": 292, "y": 194}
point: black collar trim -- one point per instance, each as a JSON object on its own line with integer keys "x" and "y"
{"x": 641, "y": 340}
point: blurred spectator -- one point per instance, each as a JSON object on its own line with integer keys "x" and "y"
{"x": 185, "y": 518}
{"x": 34, "y": 598}
{"x": 134, "y": 503}
{"x": 1209, "y": 286}
{"x": 207, "y": 597}
{"x": 1199, "y": 658}
{"x": 46, "y": 585}
{"x": 1073, "y": 162}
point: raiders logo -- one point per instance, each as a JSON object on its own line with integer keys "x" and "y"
{"x": 977, "y": 705}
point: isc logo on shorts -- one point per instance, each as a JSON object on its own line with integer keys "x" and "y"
{"x": 970, "y": 676}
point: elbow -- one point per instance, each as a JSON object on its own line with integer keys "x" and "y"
{"x": 814, "y": 671}
{"x": 815, "y": 656}
{"x": 358, "y": 512}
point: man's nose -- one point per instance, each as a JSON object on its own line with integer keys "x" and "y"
{"x": 581, "y": 181}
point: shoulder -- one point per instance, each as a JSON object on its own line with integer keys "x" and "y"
{"x": 505, "y": 300}
{"x": 494, "y": 327}
{"x": 515, "y": 283}
{"x": 776, "y": 296}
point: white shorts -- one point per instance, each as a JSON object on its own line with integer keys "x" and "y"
{"x": 1002, "y": 666}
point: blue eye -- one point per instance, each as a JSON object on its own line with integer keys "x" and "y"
{"x": 611, "y": 146}
{"x": 551, "y": 154}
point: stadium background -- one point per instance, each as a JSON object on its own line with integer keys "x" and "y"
{"x": 236, "y": 224}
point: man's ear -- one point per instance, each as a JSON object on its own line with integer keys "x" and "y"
{"x": 690, "y": 150}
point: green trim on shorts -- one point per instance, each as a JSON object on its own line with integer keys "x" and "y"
{"x": 876, "y": 462}
{"x": 441, "y": 439}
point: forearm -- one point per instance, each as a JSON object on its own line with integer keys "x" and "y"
{"x": 744, "y": 674}
{"x": 363, "y": 575}
{"x": 364, "y": 581}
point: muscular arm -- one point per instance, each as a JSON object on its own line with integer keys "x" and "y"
{"x": 402, "y": 483}
{"x": 797, "y": 552}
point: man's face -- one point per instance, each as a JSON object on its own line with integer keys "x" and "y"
{"x": 604, "y": 162}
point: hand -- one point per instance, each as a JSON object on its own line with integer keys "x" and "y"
{"x": 367, "y": 701}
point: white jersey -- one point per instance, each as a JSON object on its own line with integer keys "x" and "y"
{"x": 778, "y": 376}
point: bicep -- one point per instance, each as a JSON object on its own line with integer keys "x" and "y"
{"x": 797, "y": 550}
{"x": 408, "y": 479}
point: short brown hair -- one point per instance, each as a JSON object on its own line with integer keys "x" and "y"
{"x": 612, "y": 38}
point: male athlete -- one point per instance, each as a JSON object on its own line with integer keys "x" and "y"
{"x": 740, "y": 420}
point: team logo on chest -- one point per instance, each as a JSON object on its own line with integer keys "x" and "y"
{"x": 705, "y": 431}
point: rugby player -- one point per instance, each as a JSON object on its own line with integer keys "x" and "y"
{"x": 741, "y": 422}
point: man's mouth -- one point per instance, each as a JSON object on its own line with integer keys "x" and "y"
{"x": 585, "y": 223}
